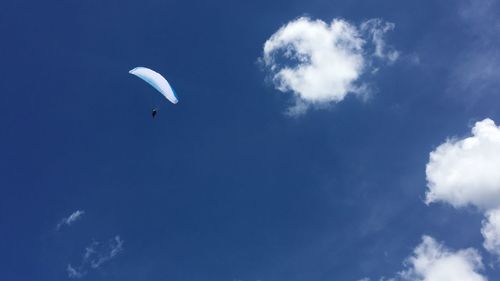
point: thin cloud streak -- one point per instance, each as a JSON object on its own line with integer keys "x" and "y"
{"x": 95, "y": 256}
{"x": 75, "y": 216}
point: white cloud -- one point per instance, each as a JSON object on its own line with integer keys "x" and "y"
{"x": 377, "y": 29}
{"x": 491, "y": 231}
{"x": 78, "y": 214}
{"x": 326, "y": 61}
{"x": 431, "y": 261}
{"x": 95, "y": 256}
{"x": 466, "y": 171}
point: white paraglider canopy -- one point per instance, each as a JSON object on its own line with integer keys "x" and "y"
{"x": 155, "y": 79}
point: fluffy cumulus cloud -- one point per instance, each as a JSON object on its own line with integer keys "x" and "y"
{"x": 467, "y": 171}
{"x": 491, "y": 231}
{"x": 464, "y": 172}
{"x": 461, "y": 172}
{"x": 431, "y": 261}
{"x": 321, "y": 63}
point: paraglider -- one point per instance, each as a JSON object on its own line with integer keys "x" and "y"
{"x": 158, "y": 82}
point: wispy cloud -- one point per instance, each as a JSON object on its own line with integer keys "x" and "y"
{"x": 476, "y": 70}
{"x": 115, "y": 248}
{"x": 73, "y": 272}
{"x": 322, "y": 63}
{"x": 95, "y": 255}
{"x": 377, "y": 28}
{"x": 67, "y": 221}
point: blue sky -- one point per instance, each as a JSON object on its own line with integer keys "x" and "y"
{"x": 226, "y": 185}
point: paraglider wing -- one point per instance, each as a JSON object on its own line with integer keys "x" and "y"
{"x": 155, "y": 79}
